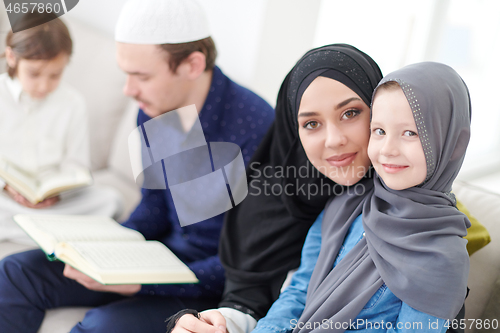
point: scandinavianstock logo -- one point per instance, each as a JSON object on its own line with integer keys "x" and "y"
{"x": 205, "y": 179}
{"x": 25, "y": 14}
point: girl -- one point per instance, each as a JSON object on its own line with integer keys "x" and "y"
{"x": 43, "y": 124}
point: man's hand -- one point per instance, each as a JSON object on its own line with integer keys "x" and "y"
{"x": 91, "y": 284}
{"x": 23, "y": 201}
{"x": 211, "y": 321}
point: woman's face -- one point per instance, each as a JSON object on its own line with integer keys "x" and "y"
{"x": 334, "y": 130}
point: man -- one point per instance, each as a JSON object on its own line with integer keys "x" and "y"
{"x": 166, "y": 51}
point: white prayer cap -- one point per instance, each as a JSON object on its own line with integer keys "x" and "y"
{"x": 161, "y": 22}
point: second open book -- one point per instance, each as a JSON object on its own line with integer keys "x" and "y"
{"x": 36, "y": 188}
{"x": 104, "y": 250}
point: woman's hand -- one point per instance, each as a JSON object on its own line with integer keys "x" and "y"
{"x": 91, "y": 284}
{"x": 211, "y": 321}
{"x": 23, "y": 201}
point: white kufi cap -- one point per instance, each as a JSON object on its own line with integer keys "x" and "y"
{"x": 161, "y": 22}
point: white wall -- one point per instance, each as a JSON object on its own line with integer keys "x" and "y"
{"x": 288, "y": 33}
{"x": 471, "y": 43}
{"x": 100, "y": 14}
{"x": 379, "y": 28}
{"x": 260, "y": 40}
{"x": 236, "y": 28}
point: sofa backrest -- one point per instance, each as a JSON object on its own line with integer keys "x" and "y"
{"x": 485, "y": 263}
{"x": 94, "y": 72}
{"x": 119, "y": 159}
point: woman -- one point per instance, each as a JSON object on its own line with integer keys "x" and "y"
{"x": 263, "y": 236}
{"x": 261, "y": 241}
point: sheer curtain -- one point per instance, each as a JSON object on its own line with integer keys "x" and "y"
{"x": 460, "y": 33}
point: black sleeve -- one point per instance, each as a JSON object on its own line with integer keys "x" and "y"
{"x": 258, "y": 255}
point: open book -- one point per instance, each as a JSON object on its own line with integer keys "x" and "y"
{"x": 104, "y": 250}
{"x": 38, "y": 188}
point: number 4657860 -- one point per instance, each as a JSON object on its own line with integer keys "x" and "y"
{"x": 472, "y": 324}
{"x": 33, "y": 7}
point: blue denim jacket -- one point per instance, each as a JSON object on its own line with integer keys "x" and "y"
{"x": 384, "y": 312}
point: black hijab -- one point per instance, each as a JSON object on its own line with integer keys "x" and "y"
{"x": 262, "y": 237}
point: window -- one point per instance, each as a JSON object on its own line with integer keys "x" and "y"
{"x": 460, "y": 33}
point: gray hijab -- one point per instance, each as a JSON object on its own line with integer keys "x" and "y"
{"x": 413, "y": 240}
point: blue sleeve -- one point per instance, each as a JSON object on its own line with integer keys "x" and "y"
{"x": 208, "y": 271}
{"x": 414, "y": 321}
{"x": 149, "y": 219}
{"x": 149, "y": 216}
{"x": 289, "y": 306}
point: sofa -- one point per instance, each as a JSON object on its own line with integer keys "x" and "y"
{"x": 93, "y": 71}
{"x": 483, "y": 301}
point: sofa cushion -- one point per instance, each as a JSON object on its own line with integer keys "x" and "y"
{"x": 119, "y": 159}
{"x": 62, "y": 320}
{"x": 477, "y": 234}
{"x": 129, "y": 191}
{"x": 485, "y": 263}
{"x": 8, "y": 248}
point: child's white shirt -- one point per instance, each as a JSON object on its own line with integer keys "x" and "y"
{"x": 38, "y": 135}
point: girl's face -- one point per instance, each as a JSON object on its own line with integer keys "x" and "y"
{"x": 41, "y": 77}
{"x": 334, "y": 130}
{"x": 395, "y": 149}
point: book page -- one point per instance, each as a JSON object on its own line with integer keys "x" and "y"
{"x": 128, "y": 262}
{"x": 57, "y": 181}
{"x": 118, "y": 255}
{"x": 11, "y": 173}
{"x": 47, "y": 230}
